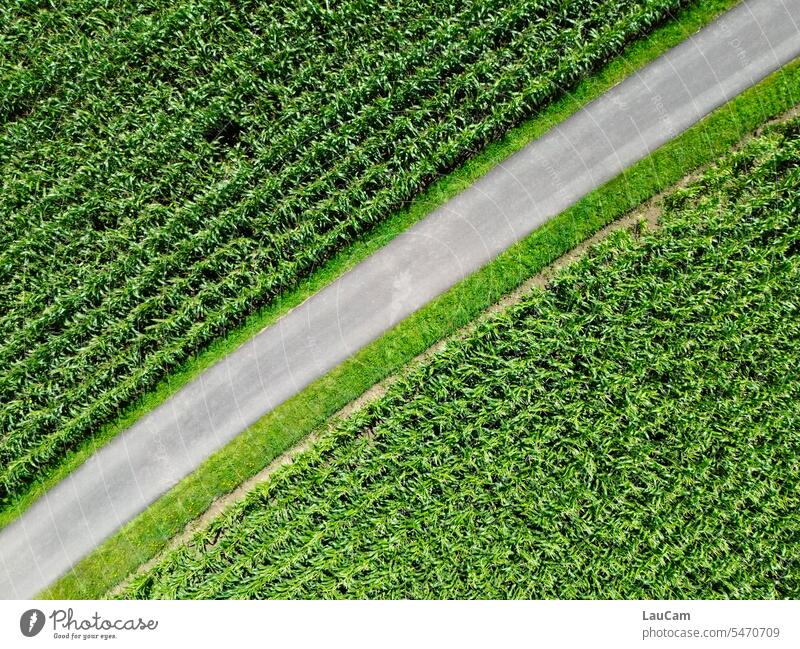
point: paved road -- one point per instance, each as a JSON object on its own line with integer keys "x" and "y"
{"x": 610, "y": 134}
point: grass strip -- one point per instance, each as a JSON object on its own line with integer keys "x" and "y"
{"x": 147, "y": 534}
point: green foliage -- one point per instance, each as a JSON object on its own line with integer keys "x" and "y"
{"x": 168, "y": 169}
{"x": 632, "y": 431}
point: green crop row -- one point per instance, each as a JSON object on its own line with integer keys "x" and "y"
{"x": 175, "y": 170}
{"x": 631, "y": 431}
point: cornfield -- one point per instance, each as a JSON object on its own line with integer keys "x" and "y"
{"x": 632, "y": 431}
{"x": 170, "y": 168}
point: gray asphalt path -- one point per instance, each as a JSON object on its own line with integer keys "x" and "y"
{"x": 596, "y": 144}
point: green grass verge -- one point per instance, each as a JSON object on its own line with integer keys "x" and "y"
{"x": 146, "y": 535}
{"x": 637, "y": 55}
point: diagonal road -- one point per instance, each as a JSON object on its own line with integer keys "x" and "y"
{"x": 593, "y": 146}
